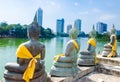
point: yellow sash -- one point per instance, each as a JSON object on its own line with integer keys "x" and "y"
{"x": 22, "y": 52}
{"x": 114, "y": 48}
{"x": 75, "y": 44}
{"x": 92, "y": 42}
{"x": 59, "y": 55}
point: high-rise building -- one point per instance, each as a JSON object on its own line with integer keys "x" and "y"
{"x": 60, "y": 26}
{"x": 101, "y": 27}
{"x": 117, "y": 32}
{"x": 68, "y": 28}
{"x": 39, "y": 16}
{"x": 78, "y": 24}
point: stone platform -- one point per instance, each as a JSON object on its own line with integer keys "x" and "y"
{"x": 82, "y": 71}
{"x": 115, "y": 61}
{"x": 107, "y": 68}
{"x": 99, "y": 77}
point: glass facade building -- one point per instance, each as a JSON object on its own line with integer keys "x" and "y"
{"x": 39, "y": 16}
{"x": 68, "y": 28}
{"x": 101, "y": 27}
{"x": 78, "y": 24}
{"x": 60, "y": 26}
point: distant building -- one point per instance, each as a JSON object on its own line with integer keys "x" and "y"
{"x": 101, "y": 27}
{"x": 117, "y": 32}
{"x": 39, "y": 16}
{"x": 60, "y": 26}
{"x": 68, "y": 28}
{"x": 78, "y": 24}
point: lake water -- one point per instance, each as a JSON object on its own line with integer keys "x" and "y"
{"x": 53, "y": 46}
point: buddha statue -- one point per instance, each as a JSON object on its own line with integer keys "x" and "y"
{"x": 65, "y": 64}
{"x": 111, "y": 47}
{"x": 30, "y": 55}
{"x": 88, "y": 56}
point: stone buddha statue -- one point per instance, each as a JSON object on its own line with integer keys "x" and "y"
{"x": 65, "y": 64}
{"x": 88, "y": 56}
{"x": 29, "y": 54}
{"x": 111, "y": 47}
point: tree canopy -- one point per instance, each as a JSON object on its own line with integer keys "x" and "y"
{"x": 20, "y": 31}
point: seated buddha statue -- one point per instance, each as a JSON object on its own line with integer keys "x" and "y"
{"x": 29, "y": 54}
{"x": 65, "y": 64}
{"x": 111, "y": 47}
{"x": 88, "y": 56}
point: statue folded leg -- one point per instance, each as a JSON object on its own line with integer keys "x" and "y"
{"x": 39, "y": 76}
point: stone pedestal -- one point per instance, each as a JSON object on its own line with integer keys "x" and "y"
{"x": 15, "y": 77}
{"x": 86, "y": 58}
{"x": 63, "y": 72}
{"x": 107, "y": 50}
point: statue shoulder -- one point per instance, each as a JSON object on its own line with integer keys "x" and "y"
{"x": 70, "y": 43}
{"x": 41, "y": 45}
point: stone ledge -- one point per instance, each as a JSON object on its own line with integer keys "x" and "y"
{"x": 99, "y": 77}
{"x": 55, "y": 79}
{"x": 108, "y": 69}
{"x": 111, "y": 61}
{"x": 83, "y": 71}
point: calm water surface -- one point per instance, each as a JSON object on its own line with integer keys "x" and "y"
{"x": 53, "y": 46}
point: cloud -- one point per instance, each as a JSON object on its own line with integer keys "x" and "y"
{"x": 52, "y": 4}
{"x": 38, "y": 1}
{"x": 107, "y": 17}
{"x": 83, "y": 13}
{"x": 91, "y": 1}
{"x": 96, "y": 10}
{"x": 76, "y": 4}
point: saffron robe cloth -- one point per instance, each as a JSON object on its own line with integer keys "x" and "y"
{"x": 92, "y": 41}
{"x": 23, "y": 52}
{"x": 114, "y": 47}
{"x": 56, "y": 58}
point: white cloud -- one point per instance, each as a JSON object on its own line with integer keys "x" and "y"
{"x": 91, "y": 1}
{"x": 76, "y": 4}
{"x": 52, "y": 3}
{"x": 38, "y": 1}
{"x": 107, "y": 17}
{"x": 96, "y": 10}
{"x": 83, "y": 13}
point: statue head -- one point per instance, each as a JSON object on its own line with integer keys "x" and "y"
{"x": 73, "y": 33}
{"x": 33, "y": 30}
{"x": 92, "y": 33}
{"x": 113, "y": 30}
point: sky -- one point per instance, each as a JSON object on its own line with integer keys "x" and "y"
{"x": 89, "y": 11}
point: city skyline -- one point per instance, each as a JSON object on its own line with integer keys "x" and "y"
{"x": 89, "y": 11}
